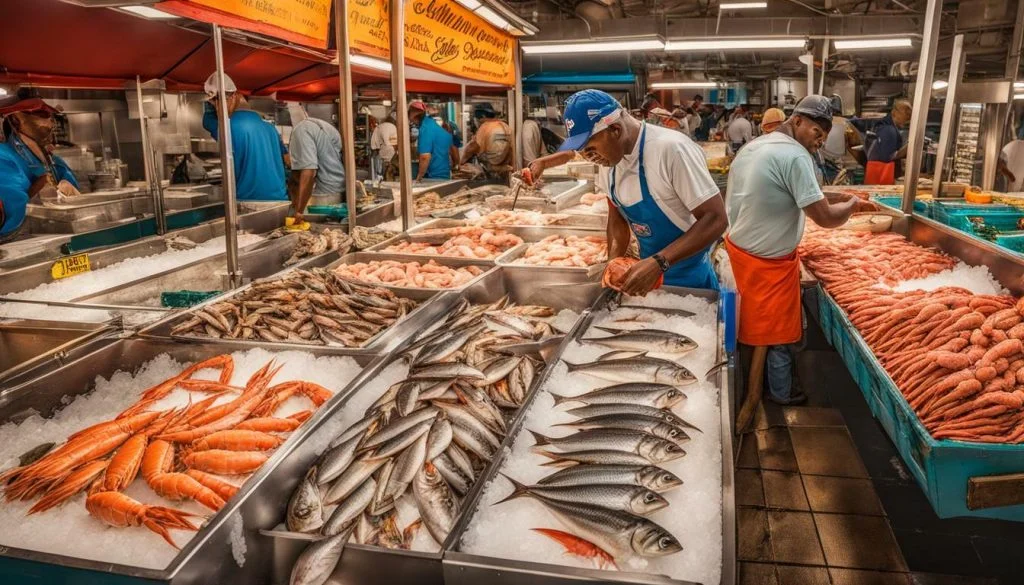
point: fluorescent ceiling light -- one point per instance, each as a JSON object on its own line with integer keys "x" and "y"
{"x": 683, "y": 84}
{"x": 149, "y": 12}
{"x": 1018, "y": 96}
{"x": 1018, "y": 84}
{"x": 3, "y": 91}
{"x": 593, "y": 47}
{"x": 493, "y": 17}
{"x": 741, "y": 5}
{"x": 940, "y": 84}
{"x": 852, "y": 44}
{"x": 372, "y": 63}
{"x": 734, "y": 44}
{"x": 470, "y": 4}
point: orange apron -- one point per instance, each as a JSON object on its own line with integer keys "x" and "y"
{"x": 877, "y": 172}
{"x": 769, "y": 291}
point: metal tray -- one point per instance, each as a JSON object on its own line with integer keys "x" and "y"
{"x": 577, "y": 222}
{"x": 588, "y": 274}
{"x": 563, "y": 194}
{"x": 469, "y": 569}
{"x": 28, "y": 344}
{"x": 207, "y": 557}
{"x": 372, "y": 565}
{"x": 70, "y": 218}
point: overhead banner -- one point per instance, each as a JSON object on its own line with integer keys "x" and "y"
{"x": 305, "y": 22}
{"x": 441, "y": 35}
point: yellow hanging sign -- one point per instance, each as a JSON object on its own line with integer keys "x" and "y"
{"x": 70, "y": 266}
{"x": 306, "y": 22}
{"x": 441, "y": 35}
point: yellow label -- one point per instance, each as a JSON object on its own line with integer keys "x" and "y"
{"x": 70, "y": 266}
{"x": 439, "y": 34}
{"x": 301, "y": 21}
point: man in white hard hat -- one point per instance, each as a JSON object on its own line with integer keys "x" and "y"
{"x": 258, "y": 151}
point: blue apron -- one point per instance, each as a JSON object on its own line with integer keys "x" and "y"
{"x": 654, "y": 231}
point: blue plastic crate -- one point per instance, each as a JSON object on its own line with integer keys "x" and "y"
{"x": 920, "y": 207}
{"x": 941, "y": 468}
{"x": 1013, "y": 241}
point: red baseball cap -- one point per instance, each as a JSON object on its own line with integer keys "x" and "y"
{"x": 16, "y": 103}
{"x": 418, "y": 105}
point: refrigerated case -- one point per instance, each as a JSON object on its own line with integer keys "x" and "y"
{"x": 966, "y": 168}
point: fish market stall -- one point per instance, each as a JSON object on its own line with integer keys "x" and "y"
{"x": 283, "y": 390}
{"x": 940, "y": 382}
{"x": 504, "y": 381}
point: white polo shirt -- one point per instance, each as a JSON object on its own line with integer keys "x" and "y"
{"x": 1013, "y": 154}
{"x": 677, "y": 175}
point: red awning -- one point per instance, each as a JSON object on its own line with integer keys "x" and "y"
{"x": 54, "y": 44}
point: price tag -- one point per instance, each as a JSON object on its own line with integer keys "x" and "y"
{"x": 70, "y": 266}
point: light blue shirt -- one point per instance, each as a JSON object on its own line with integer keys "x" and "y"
{"x": 258, "y": 153}
{"x": 771, "y": 180}
{"x": 316, "y": 144}
{"x": 19, "y": 168}
{"x": 437, "y": 142}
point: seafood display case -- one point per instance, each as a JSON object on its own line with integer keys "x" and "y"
{"x": 28, "y": 344}
{"x": 364, "y": 564}
{"x": 462, "y": 568}
{"x": 211, "y": 554}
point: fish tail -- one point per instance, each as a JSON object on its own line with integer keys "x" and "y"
{"x": 539, "y": 439}
{"x": 518, "y": 490}
{"x": 559, "y": 399}
{"x": 571, "y": 366}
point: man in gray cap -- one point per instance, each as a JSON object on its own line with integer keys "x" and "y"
{"x": 772, "y": 184}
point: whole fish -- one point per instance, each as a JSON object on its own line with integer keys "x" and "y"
{"x": 438, "y": 438}
{"x": 509, "y": 325}
{"x": 594, "y": 410}
{"x": 457, "y": 480}
{"x": 393, "y": 446}
{"x": 337, "y": 459}
{"x": 400, "y": 426}
{"x": 656, "y": 395}
{"x": 651, "y": 477}
{"x": 655, "y": 449}
{"x": 654, "y": 340}
{"x": 593, "y": 456}
{"x": 443, "y": 348}
{"x": 437, "y": 504}
{"x": 498, "y": 369}
{"x": 470, "y": 432}
{"x": 407, "y": 397}
{"x": 634, "y": 422}
{"x": 305, "y": 508}
{"x": 406, "y": 465}
{"x": 350, "y": 508}
{"x": 461, "y": 460}
{"x": 626, "y": 498}
{"x": 316, "y": 563}
{"x": 479, "y": 403}
{"x": 619, "y": 533}
{"x": 446, "y": 371}
{"x": 637, "y": 369}
{"x": 352, "y": 478}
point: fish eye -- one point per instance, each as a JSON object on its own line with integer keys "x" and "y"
{"x": 664, "y": 542}
{"x": 649, "y": 497}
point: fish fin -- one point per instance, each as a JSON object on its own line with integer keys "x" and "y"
{"x": 539, "y": 439}
{"x": 606, "y": 330}
{"x": 555, "y": 462}
{"x": 518, "y": 490}
{"x": 571, "y": 366}
{"x": 559, "y": 399}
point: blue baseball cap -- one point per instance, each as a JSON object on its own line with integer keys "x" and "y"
{"x": 588, "y": 112}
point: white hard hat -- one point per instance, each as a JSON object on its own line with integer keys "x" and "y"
{"x": 212, "y": 89}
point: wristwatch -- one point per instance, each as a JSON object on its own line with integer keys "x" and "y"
{"x": 662, "y": 263}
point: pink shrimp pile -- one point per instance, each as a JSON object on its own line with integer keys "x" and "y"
{"x": 575, "y": 251}
{"x": 408, "y": 274}
{"x": 464, "y": 242}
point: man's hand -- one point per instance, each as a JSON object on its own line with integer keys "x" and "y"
{"x": 536, "y": 169}
{"x": 66, "y": 189}
{"x": 642, "y": 277}
{"x": 866, "y": 207}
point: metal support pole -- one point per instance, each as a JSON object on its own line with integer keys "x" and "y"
{"x": 227, "y": 163}
{"x": 810, "y": 72}
{"x": 463, "y": 118}
{"x": 346, "y": 103}
{"x": 946, "y": 131}
{"x": 397, "y": 9}
{"x": 1013, "y": 58}
{"x": 824, "y": 63}
{"x": 147, "y": 164}
{"x": 519, "y": 107}
{"x": 922, "y": 96}
{"x": 512, "y": 125}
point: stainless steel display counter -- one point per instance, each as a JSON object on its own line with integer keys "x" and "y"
{"x": 29, "y": 344}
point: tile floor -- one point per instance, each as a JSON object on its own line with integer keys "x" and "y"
{"x": 822, "y": 497}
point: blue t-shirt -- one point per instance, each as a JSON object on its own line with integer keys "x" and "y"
{"x": 887, "y": 141}
{"x": 19, "y": 168}
{"x": 437, "y": 142}
{"x": 258, "y": 153}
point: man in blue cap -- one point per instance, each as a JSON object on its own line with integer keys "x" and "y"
{"x": 28, "y": 171}
{"x": 659, "y": 183}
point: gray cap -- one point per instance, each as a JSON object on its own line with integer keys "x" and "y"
{"x": 817, "y": 108}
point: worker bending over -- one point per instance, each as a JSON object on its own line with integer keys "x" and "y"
{"x": 772, "y": 184}
{"x": 316, "y": 161}
{"x": 259, "y": 154}
{"x": 659, "y": 183}
{"x": 28, "y": 172}
{"x": 888, "y": 146}
{"x": 491, "y": 144}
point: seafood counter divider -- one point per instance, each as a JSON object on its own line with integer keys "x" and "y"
{"x": 373, "y": 565}
{"x": 470, "y": 569}
{"x": 529, "y": 235}
{"x": 26, "y": 344}
{"x": 207, "y": 557}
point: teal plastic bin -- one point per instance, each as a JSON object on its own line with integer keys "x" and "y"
{"x": 920, "y": 207}
{"x": 331, "y": 211}
{"x": 943, "y": 469}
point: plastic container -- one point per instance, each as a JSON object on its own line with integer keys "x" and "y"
{"x": 920, "y": 207}
{"x": 331, "y": 211}
{"x": 1013, "y": 241}
{"x": 943, "y": 468}
{"x": 183, "y": 299}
